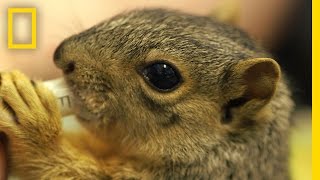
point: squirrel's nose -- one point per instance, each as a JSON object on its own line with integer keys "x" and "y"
{"x": 61, "y": 60}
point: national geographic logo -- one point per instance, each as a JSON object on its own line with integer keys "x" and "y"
{"x": 12, "y": 14}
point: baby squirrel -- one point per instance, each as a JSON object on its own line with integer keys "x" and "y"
{"x": 163, "y": 95}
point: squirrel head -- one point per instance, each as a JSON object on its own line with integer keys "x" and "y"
{"x": 158, "y": 76}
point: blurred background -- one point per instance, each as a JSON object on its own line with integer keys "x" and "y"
{"x": 281, "y": 26}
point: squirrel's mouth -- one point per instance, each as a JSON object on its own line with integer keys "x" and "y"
{"x": 82, "y": 111}
{"x": 89, "y": 103}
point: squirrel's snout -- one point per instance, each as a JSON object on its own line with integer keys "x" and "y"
{"x": 66, "y": 64}
{"x": 57, "y": 53}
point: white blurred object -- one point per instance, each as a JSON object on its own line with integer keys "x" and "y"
{"x": 60, "y": 89}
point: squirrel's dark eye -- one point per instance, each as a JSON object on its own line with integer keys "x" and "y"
{"x": 162, "y": 76}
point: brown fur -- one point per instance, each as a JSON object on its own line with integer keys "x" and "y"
{"x": 227, "y": 120}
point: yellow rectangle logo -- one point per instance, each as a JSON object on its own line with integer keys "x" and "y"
{"x": 33, "y": 43}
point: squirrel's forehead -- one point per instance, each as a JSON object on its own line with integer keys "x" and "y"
{"x": 136, "y": 33}
{"x": 151, "y": 20}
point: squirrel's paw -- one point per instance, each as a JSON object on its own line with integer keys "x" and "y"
{"x": 29, "y": 114}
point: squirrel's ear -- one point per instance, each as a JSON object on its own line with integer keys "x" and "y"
{"x": 250, "y": 84}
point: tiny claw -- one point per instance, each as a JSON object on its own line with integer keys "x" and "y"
{"x": 11, "y": 111}
{"x": 33, "y": 83}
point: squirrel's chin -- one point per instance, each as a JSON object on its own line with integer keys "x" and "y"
{"x": 86, "y": 116}
{"x": 83, "y": 113}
